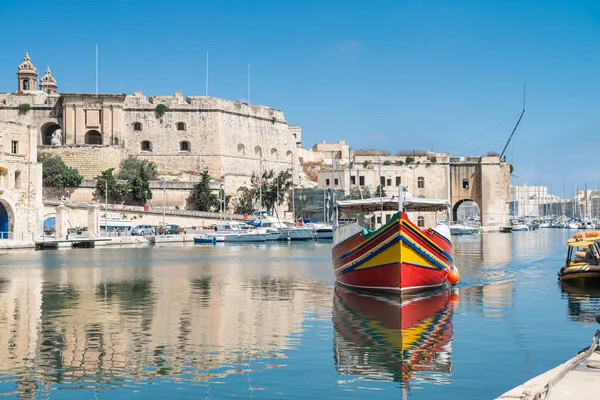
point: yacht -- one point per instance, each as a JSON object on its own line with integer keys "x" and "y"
{"x": 286, "y": 231}
{"x": 232, "y": 232}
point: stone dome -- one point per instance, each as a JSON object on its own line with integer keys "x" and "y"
{"x": 47, "y": 78}
{"x": 26, "y": 66}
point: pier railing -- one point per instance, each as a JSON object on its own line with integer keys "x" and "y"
{"x": 148, "y": 210}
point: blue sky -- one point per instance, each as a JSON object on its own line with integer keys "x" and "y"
{"x": 391, "y": 75}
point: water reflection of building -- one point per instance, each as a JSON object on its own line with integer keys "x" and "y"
{"x": 99, "y": 325}
{"x": 377, "y": 338}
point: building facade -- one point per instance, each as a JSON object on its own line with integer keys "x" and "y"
{"x": 20, "y": 183}
{"x": 483, "y": 180}
{"x": 182, "y": 135}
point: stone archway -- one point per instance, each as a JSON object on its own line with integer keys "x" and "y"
{"x": 93, "y": 137}
{"x": 6, "y": 220}
{"x": 466, "y": 209}
{"x": 46, "y": 132}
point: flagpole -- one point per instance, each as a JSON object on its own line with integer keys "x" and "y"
{"x": 207, "y": 73}
{"x": 96, "y": 70}
{"x": 248, "y": 83}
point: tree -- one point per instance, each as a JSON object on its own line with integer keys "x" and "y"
{"x": 116, "y": 190}
{"x": 138, "y": 173}
{"x": 376, "y": 192}
{"x": 245, "y": 200}
{"x": 201, "y": 195}
{"x": 140, "y": 189}
{"x": 273, "y": 185}
{"x": 56, "y": 174}
{"x": 132, "y": 167}
{"x": 360, "y": 192}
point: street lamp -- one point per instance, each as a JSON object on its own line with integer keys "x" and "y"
{"x": 105, "y": 204}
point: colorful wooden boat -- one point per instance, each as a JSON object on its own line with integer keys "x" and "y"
{"x": 583, "y": 258}
{"x": 382, "y": 337}
{"x": 398, "y": 256}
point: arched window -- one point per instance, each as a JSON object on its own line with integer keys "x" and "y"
{"x": 258, "y": 151}
{"x": 184, "y": 146}
{"x": 241, "y": 149}
{"x": 420, "y": 222}
{"x": 17, "y": 179}
{"x": 25, "y": 84}
{"x": 421, "y": 182}
{"x": 181, "y": 126}
{"x": 274, "y": 152}
{"x": 93, "y": 137}
{"x": 137, "y": 126}
{"x": 146, "y": 145}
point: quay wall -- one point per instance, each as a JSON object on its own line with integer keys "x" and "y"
{"x": 78, "y": 215}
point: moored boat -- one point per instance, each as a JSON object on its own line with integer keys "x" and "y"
{"x": 399, "y": 255}
{"x": 460, "y": 229}
{"x": 583, "y": 258}
{"x": 205, "y": 240}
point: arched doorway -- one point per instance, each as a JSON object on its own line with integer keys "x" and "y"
{"x": 467, "y": 211}
{"x": 93, "y": 137}
{"x": 6, "y": 220}
{"x": 47, "y": 131}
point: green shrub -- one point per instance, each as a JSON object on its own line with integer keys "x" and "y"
{"x": 24, "y": 108}
{"x": 160, "y": 110}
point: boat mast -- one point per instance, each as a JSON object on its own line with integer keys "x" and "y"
{"x": 260, "y": 187}
{"x": 349, "y": 174}
{"x": 333, "y": 189}
{"x": 380, "y": 189}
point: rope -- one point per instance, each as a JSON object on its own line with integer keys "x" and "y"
{"x": 578, "y": 360}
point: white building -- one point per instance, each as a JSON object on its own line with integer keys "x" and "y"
{"x": 531, "y": 201}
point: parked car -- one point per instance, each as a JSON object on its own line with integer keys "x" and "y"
{"x": 172, "y": 229}
{"x": 141, "y": 230}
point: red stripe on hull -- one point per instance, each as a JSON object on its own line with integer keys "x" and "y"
{"x": 356, "y": 241}
{"x": 391, "y": 277}
{"x": 384, "y": 277}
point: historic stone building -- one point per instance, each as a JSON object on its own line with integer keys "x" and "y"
{"x": 483, "y": 180}
{"x": 20, "y": 183}
{"x": 183, "y": 135}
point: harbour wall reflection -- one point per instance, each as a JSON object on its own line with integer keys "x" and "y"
{"x": 84, "y": 326}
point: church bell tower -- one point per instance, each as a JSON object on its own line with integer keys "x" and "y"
{"x": 27, "y": 76}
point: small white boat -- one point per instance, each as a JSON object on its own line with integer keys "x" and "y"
{"x": 519, "y": 227}
{"x": 460, "y": 229}
{"x": 232, "y": 232}
{"x": 115, "y": 223}
{"x": 286, "y": 232}
{"x": 572, "y": 225}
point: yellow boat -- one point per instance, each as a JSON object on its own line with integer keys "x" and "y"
{"x": 583, "y": 258}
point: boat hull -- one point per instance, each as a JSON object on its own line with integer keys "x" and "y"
{"x": 578, "y": 272}
{"x": 205, "y": 240}
{"x": 397, "y": 257}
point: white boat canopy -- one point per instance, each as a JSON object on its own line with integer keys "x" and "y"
{"x": 391, "y": 204}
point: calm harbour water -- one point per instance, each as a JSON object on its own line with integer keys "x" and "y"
{"x": 266, "y": 321}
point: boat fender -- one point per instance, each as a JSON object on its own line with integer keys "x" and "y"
{"x": 453, "y": 276}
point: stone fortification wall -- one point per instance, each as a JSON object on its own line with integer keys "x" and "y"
{"x": 88, "y": 160}
{"x": 229, "y": 138}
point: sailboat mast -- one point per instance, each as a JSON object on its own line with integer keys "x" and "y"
{"x": 260, "y": 187}
{"x": 349, "y": 174}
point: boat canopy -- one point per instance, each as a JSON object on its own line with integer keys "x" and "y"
{"x": 391, "y": 204}
{"x": 580, "y": 243}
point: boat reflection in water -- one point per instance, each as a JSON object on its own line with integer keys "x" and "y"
{"x": 380, "y": 338}
{"x": 583, "y": 299}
